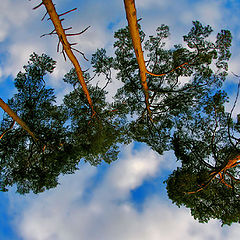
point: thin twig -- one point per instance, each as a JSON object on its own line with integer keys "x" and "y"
{"x": 230, "y": 116}
{"x": 65, "y": 29}
{"x": 74, "y": 34}
{"x": 67, "y": 12}
{"x": 44, "y": 16}
{"x": 80, "y": 53}
{"x": 48, "y": 34}
{"x": 39, "y": 5}
{"x": 7, "y": 130}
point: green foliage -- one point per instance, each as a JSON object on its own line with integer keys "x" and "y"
{"x": 34, "y": 166}
{"x": 97, "y": 137}
{"x": 203, "y": 144}
{"x": 215, "y": 202}
{"x": 171, "y": 100}
{"x": 188, "y": 116}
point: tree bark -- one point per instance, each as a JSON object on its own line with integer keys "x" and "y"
{"x": 131, "y": 15}
{"x": 67, "y": 47}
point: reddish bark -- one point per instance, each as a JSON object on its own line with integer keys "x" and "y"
{"x": 221, "y": 173}
{"x": 131, "y": 15}
{"x": 134, "y": 32}
{"x": 7, "y": 130}
{"x": 15, "y": 117}
{"x": 67, "y": 46}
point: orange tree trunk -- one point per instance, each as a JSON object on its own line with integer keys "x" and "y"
{"x": 67, "y": 47}
{"x": 15, "y": 117}
{"x": 134, "y": 32}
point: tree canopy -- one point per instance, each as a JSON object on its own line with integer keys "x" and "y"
{"x": 208, "y": 180}
{"x": 172, "y": 99}
{"x": 29, "y": 163}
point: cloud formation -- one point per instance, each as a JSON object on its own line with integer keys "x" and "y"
{"x": 92, "y": 206}
{"x": 95, "y": 203}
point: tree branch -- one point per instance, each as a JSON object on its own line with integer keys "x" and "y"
{"x": 7, "y": 130}
{"x": 67, "y": 48}
{"x": 15, "y": 117}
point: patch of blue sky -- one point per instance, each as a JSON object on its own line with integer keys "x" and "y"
{"x": 231, "y": 88}
{"x": 150, "y": 187}
{"x": 94, "y": 182}
{"x": 232, "y": 4}
{"x": 112, "y": 25}
{"x": 6, "y": 230}
{"x": 7, "y": 88}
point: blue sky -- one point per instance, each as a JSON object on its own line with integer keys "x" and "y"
{"x": 127, "y": 199}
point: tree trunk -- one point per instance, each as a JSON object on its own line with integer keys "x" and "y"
{"x": 134, "y": 32}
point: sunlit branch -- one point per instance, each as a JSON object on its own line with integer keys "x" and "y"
{"x": 162, "y": 74}
{"x": 223, "y": 170}
{"x": 7, "y": 130}
{"x": 66, "y": 46}
{"x": 15, "y": 117}
{"x": 134, "y": 32}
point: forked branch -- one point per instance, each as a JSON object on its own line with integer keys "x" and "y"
{"x": 136, "y": 40}
{"x": 233, "y": 162}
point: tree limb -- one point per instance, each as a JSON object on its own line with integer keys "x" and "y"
{"x": 15, "y": 117}
{"x": 7, "y": 130}
{"x": 67, "y": 48}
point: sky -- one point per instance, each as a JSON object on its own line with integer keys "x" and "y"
{"x": 127, "y": 199}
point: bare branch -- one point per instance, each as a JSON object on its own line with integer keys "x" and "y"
{"x": 48, "y": 34}
{"x": 230, "y": 116}
{"x": 131, "y": 15}
{"x": 15, "y": 117}
{"x": 67, "y": 48}
{"x": 233, "y": 178}
{"x": 205, "y": 185}
{"x": 44, "y": 16}
{"x": 80, "y": 53}
{"x": 67, "y": 12}
{"x": 64, "y": 55}
{"x": 65, "y": 29}
{"x": 74, "y": 34}
{"x": 162, "y": 74}
{"x": 236, "y": 99}
{"x": 39, "y": 5}
{"x": 7, "y": 130}
{"x": 58, "y": 45}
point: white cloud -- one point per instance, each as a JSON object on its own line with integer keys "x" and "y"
{"x": 209, "y": 12}
{"x": 13, "y": 14}
{"x": 151, "y": 3}
{"x": 82, "y": 208}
